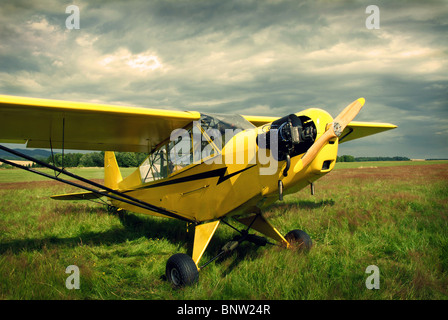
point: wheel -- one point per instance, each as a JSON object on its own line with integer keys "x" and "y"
{"x": 181, "y": 270}
{"x": 300, "y": 238}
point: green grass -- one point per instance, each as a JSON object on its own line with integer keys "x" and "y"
{"x": 393, "y": 217}
{"x": 379, "y": 164}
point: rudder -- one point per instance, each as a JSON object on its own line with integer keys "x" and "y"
{"x": 112, "y": 174}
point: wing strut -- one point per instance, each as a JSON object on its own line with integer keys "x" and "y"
{"x": 110, "y": 193}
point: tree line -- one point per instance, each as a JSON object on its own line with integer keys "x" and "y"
{"x": 95, "y": 159}
{"x": 133, "y": 159}
{"x": 348, "y": 158}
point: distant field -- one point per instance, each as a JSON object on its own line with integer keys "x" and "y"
{"x": 391, "y": 215}
{"x": 18, "y": 175}
{"x": 377, "y": 164}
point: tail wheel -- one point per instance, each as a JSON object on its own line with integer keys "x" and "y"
{"x": 181, "y": 270}
{"x": 300, "y": 239}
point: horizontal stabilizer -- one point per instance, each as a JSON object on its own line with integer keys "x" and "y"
{"x": 88, "y": 195}
{"x": 358, "y": 129}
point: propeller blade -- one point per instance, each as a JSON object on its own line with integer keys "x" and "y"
{"x": 333, "y": 130}
{"x": 349, "y": 113}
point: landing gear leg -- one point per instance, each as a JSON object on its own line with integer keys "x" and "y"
{"x": 183, "y": 270}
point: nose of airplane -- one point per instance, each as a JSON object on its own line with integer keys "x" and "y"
{"x": 333, "y": 130}
{"x": 292, "y": 135}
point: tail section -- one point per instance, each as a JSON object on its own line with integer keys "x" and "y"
{"x": 112, "y": 174}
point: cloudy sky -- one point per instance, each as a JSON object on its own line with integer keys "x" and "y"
{"x": 249, "y": 57}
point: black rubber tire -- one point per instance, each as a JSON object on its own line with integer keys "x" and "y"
{"x": 300, "y": 239}
{"x": 181, "y": 270}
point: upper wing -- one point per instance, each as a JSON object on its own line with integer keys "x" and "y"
{"x": 44, "y": 123}
{"x": 356, "y": 129}
{"x": 47, "y": 123}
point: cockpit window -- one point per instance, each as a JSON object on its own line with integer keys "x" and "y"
{"x": 204, "y": 139}
{"x": 222, "y": 121}
{"x": 223, "y": 125}
{"x": 155, "y": 166}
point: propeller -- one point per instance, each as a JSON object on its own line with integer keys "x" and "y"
{"x": 333, "y": 130}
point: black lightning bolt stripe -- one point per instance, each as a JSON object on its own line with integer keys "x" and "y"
{"x": 203, "y": 175}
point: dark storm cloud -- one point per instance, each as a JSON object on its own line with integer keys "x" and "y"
{"x": 249, "y": 57}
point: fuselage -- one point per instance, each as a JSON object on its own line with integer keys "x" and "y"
{"x": 233, "y": 176}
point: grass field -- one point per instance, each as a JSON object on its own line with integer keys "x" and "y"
{"x": 394, "y": 217}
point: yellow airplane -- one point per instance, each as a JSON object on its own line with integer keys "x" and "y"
{"x": 201, "y": 168}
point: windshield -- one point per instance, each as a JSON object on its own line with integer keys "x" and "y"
{"x": 222, "y": 127}
{"x": 222, "y": 121}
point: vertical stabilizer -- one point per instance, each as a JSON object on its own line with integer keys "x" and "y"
{"x": 112, "y": 174}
